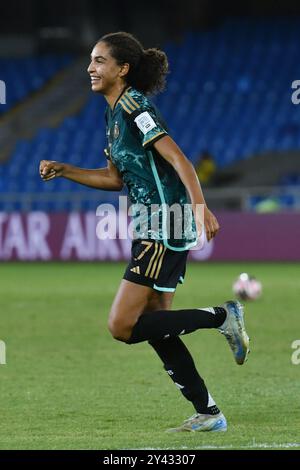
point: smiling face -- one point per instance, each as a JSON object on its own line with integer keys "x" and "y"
{"x": 104, "y": 71}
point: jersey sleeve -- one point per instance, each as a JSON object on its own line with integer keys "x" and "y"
{"x": 145, "y": 120}
{"x": 150, "y": 128}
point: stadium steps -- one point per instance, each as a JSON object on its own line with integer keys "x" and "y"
{"x": 265, "y": 169}
{"x": 63, "y": 96}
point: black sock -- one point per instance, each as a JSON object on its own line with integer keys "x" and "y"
{"x": 180, "y": 366}
{"x": 162, "y": 324}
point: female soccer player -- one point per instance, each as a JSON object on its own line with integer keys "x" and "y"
{"x": 157, "y": 174}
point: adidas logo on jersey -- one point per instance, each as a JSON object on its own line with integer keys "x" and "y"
{"x": 135, "y": 270}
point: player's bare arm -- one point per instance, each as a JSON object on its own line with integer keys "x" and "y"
{"x": 103, "y": 178}
{"x": 169, "y": 150}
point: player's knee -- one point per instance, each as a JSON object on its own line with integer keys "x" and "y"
{"x": 119, "y": 330}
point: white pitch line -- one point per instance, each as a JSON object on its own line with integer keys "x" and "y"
{"x": 257, "y": 445}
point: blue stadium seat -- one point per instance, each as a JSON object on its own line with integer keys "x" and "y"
{"x": 26, "y": 75}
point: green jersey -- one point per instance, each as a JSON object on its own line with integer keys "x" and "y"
{"x": 133, "y": 126}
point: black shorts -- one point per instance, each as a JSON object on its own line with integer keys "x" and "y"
{"x": 154, "y": 265}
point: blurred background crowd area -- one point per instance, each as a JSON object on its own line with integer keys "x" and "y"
{"x": 228, "y": 102}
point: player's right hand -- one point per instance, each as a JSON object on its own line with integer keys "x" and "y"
{"x": 50, "y": 169}
{"x": 211, "y": 224}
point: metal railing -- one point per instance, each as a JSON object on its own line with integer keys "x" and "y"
{"x": 221, "y": 198}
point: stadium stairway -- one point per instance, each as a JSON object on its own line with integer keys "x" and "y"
{"x": 61, "y": 97}
{"x": 265, "y": 169}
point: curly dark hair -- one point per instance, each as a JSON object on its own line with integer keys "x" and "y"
{"x": 147, "y": 67}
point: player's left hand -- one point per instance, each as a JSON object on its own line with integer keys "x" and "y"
{"x": 211, "y": 224}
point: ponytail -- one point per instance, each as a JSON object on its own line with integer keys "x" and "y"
{"x": 150, "y": 75}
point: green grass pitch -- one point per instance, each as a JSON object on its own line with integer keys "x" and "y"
{"x": 68, "y": 385}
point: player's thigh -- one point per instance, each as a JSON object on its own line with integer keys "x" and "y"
{"x": 159, "y": 301}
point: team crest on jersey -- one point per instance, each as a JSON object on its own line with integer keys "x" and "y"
{"x": 116, "y": 131}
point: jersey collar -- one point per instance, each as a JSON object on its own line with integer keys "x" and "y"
{"x": 126, "y": 88}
